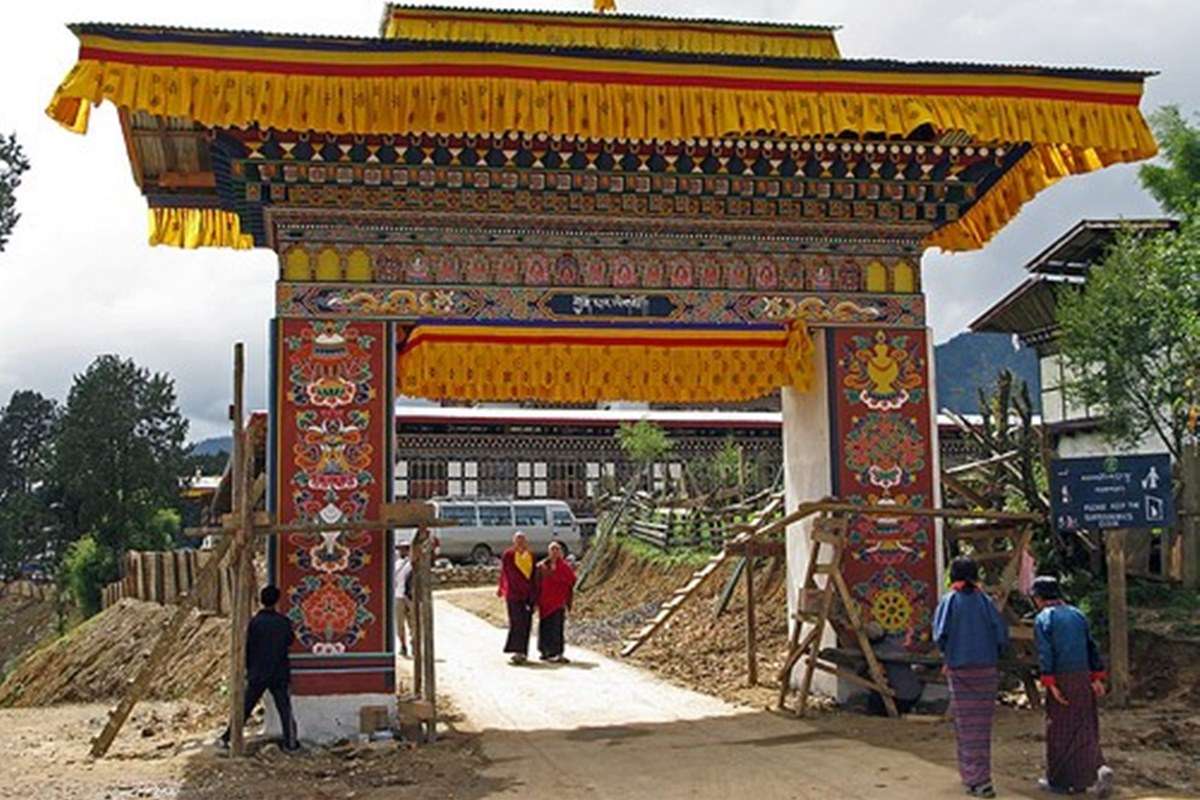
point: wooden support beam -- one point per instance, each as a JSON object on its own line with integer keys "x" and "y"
{"x": 751, "y": 634}
{"x": 1118, "y": 618}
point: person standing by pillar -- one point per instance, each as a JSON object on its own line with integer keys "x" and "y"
{"x": 555, "y": 591}
{"x": 403, "y": 593}
{"x": 268, "y": 668}
{"x": 1074, "y": 679}
{"x": 519, "y": 593}
{"x": 971, "y": 635}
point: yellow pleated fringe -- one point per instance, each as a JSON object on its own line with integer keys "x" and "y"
{"x": 682, "y": 36}
{"x": 1040, "y": 168}
{"x": 197, "y": 227}
{"x": 581, "y": 372}
{"x": 224, "y": 98}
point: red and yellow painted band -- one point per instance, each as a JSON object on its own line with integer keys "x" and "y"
{"x": 607, "y": 71}
{"x": 399, "y": 16}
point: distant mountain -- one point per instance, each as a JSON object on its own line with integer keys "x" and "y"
{"x": 213, "y": 446}
{"x": 971, "y": 361}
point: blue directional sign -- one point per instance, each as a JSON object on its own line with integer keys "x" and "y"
{"x": 1111, "y": 492}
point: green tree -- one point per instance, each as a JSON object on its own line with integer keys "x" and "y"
{"x": 27, "y": 528}
{"x": 120, "y": 452}
{"x": 1131, "y": 336}
{"x": 87, "y": 567}
{"x": 644, "y": 443}
{"x": 13, "y": 165}
{"x": 1176, "y": 184}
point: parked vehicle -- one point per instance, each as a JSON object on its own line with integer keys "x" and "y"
{"x": 483, "y": 527}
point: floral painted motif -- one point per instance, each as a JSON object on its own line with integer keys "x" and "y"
{"x": 329, "y": 613}
{"x": 884, "y": 450}
{"x": 333, "y": 413}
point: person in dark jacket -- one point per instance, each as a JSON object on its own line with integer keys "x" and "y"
{"x": 268, "y": 669}
{"x": 901, "y": 677}
{"x": 519, "y": 590}
{"x": 1074, "y": 679}
{"x": 971, "y": 635}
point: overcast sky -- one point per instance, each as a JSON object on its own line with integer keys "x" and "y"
{"x": 79, "y": 279}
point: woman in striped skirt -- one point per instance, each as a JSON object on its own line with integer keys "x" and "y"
{"x": 971, "y": 635}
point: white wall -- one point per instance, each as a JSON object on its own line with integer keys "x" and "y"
{"x": 808, "y": 475}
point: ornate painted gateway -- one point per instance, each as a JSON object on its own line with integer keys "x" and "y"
{"x": 503, "y": 206}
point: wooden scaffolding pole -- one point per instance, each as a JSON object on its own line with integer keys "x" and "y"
{"x": 751, "y": 628}
{"x": 239, "y": 611}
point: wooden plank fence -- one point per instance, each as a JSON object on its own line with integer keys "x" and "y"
{"x": 667, "y": 524}
{"x": 34, "y": 590}
{"x": 164, "y": 577}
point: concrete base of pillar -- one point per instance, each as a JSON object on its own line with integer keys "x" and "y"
{"x": 323, "y": 719}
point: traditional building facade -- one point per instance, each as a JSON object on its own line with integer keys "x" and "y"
{"x": 572, "y": 208}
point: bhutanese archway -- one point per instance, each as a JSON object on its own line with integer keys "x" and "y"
{"x": 482, "y": 205}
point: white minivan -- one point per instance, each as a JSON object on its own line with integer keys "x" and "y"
{"x": 483, "y": 528}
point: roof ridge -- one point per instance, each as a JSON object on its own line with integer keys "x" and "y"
{"x": 390, "y": 7}
{"x": 845, "y": 64}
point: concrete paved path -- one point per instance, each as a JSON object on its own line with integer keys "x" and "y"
{"x": 603, "y": 729}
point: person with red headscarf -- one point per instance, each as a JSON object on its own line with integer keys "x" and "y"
{"x": 555, "y": 591}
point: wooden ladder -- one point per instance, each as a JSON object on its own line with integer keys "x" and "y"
{"x": 681, "y": 595}
{"x": 832, "y": 600}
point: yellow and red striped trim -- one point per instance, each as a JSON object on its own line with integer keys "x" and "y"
{"x": 614, "y": 32}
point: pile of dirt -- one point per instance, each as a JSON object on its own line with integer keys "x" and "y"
{"x": 95, "y": 660}
{"x": 697, "y": 648}
{"x": 24, "y": 623}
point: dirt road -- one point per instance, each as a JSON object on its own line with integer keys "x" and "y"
{"x": 599, "y": 729}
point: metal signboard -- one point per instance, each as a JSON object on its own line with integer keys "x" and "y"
{"x": 1112, "y": 492}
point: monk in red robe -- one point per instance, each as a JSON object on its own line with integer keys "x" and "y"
{"x": 555, "y": 591}
{"x": 519, "y": 590}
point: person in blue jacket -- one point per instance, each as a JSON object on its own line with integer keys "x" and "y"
{"x": 1074, "y": 679}
{"x": 971, "y": 635}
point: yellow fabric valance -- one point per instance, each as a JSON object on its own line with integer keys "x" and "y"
{"x": 1073, "y": 120}
{"x": 197, "y": 227}
{"x": 613, "y": 32}
{"x": 577, "y": 364}
{"x": 366, "y": 89}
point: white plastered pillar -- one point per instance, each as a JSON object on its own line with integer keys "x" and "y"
{"x": 807, "y": 476}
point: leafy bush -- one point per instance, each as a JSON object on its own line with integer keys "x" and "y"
{"x": 88, "y": 566}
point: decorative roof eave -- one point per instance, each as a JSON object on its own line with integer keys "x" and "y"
{"x": 608, "y": 31}
{"x": 1075, "y": 120}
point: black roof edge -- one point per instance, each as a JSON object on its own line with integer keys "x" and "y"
{"x": 1112, "y": 223}
{"x": 799, "y": 26}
